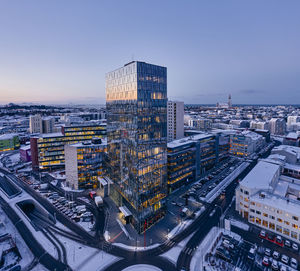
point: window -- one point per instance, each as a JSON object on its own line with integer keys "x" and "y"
{"x": 294, "y": 235}
{"x": 272, "y": 217}
{"x": 252, "y": 218}
{"x": 272, "y": 226}
{"x": 286, "y": 231}
{"x": 286, "y": 223}
{"x": 258, "y": 212}
{"x": 295, "y": 226}
{"x": 265, "y": 215}
{"x": 265, "y": 223}
{"x": 278, "y": 228}
{"x": 258, "y": 221}
{"x": 279, "y": 220}
{"x": 246, "y": 192}
{"x": 295, "y": 218}
{"x": 252, "y": 210}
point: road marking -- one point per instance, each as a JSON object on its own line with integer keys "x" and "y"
{"x": 115, "y": 237}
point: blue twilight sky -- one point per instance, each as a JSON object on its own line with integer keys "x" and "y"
{"x": 58, "y": 51}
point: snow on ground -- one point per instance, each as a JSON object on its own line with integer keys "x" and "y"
{"x": 81, "y": 258}
{"x": 39, "y": 267}
{"x": 26, "y": 254}
{"x": 142, "y": 267}
{"x": 174, "y": 252}
{"x": 135, "y": 248}
{"x": 239, "y": 224}
{"x": 181, "y": 226}
{"x": 15, "y": 158}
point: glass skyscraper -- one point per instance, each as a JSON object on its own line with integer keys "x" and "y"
{"x": 136, "y": 103}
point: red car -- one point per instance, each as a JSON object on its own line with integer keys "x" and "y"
{"x": 92, "y": 194}
{"x": 263, "y": 234}
{"x": 265, "y": 261}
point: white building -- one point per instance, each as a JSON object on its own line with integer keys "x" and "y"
{"x": 262, "y": 125}
{"x": 35, "y": 124}
{"x": 245, "y": 143}
{"x": 269, "y": 196}
{"x": 175, "y": 120}
{"x": 277, "y": 126}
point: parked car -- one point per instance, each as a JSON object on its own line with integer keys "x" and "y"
{"x": 295, "y": 247}
{"x": 251, "y": 254}
{"x": 262, "y": 234}
{"x": 276, "y": 255}
{"x": 294, "y": 263}
{"x": 287, "y": 243}
{"x": 275, "y": 265}
{"x": 268, "y": 252}
{"x": 285, "y": 259}
{"x": 265, "y": 261}
{"x": 278, "y": 240}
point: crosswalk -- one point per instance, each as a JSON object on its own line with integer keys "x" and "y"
{"x": 170, "y": 243}
{"x": 188, "y": 251}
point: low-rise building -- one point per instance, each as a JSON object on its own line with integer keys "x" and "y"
{"x": 83, "y": 163}
{"x": 25, "y": 153}
{"x": 269, "y": 196}
{"x": 47, "y": 150}
{"x": 245, "y": 143}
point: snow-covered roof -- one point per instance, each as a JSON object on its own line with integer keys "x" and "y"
{"x": 25, "y": 148}
{"x": 186, "y": 140}
{"x": 261, "y": 176}
{"x": 287, "y": 148}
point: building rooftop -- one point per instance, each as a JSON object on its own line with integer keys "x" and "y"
{"x": 90, "y": 144}
{"x": 261, "y": 176}
{"x": 187, "y": 140}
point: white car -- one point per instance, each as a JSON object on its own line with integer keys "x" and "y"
{"x": 268, "y": 252}
{"x": 275, "y": 265}
{"x": 285, "y": 259}
{"x": 295, "y": 247}
{"x": 294, "y": 263}
{"x": 276, "y": 255}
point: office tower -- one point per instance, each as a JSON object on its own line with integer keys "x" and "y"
{"x": 175, "y": 120}
{"x": 229, "y": 101}
{"x": 35, "y": 124}
{"x": 136, "y": 104}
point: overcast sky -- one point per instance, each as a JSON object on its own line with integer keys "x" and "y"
{"x": 59, "y": 51}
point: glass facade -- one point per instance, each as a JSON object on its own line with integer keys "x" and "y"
{"x": 136, "y": 104}
{"x": 181, "y": 165}
{"x": 84, "y": 164}
{"x": 49, "y": 149}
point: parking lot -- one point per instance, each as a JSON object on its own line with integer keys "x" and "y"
{"x": 233, "y": 253}
{"x": 64, "y": 204}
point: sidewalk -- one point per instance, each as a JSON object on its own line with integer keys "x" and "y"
{"x": 116, "y": 232}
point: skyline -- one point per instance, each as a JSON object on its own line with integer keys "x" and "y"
{"x": 60, "y": 52}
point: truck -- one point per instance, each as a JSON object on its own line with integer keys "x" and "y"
{"x": 99, "y": 201}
